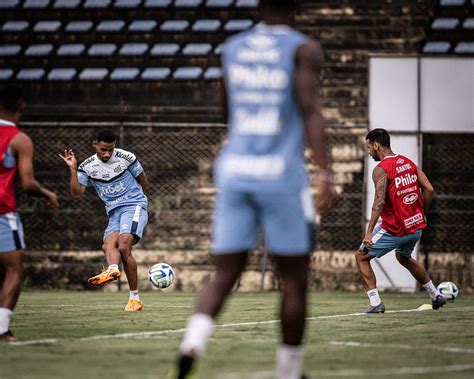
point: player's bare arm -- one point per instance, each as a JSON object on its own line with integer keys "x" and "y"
{"x": 76, "y": 188}
{"x": 22, "y": 148}
{"x": 309, "y": 62}
{"x": 428, "y": 190}
{"x": 380, "y": 179}
{"x": 142, "y": 179}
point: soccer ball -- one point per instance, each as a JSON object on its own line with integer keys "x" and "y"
{"x": 448, "y": 290}
{"x": 161, "y": 275}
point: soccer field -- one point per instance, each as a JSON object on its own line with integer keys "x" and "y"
{"x": 88, "y": 335}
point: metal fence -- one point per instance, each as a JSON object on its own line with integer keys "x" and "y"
{"x": 178, "y": 160}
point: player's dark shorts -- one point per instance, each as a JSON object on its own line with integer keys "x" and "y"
{"x": 286, "y": 221}
{"x": 384, "y": 242}
{"x": 11, "y": 233}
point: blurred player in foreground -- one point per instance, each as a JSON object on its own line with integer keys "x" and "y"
{"x": 402, "y": 206}
{"x": 119, "y": 180}
{"x": 271, "y": 75}
{"x": 16, "y": 158}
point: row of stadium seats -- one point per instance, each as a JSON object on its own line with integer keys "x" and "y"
{"x": 111, "y": 26}
{"x": 116, "y": 74}
{"x": 78, "y": 4}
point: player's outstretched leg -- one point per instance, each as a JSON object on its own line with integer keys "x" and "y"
{"x": 420, "y": 274}
{"x": 201, "y": 323}
{"x": 369, "y": 281}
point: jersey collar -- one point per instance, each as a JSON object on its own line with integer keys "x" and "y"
{"x": 390, "y": 156}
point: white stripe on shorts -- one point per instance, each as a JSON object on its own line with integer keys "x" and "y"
{"x": 12, "y": 221}
{"x": 136, "y": 215}
{"x": 378, "y": 235}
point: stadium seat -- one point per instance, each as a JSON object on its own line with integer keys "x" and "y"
{"x": 70, "y": 4}
{"x": 174, "y": 25}
{"x": 125, "y": 73}
{"x": 6, "y": 73}
{"x": 219, "y": 3}
{"x": 246, "y": 3}
{"x": 468, "y": 23}
{"x": 237, "y": 25}
{"x": 9, "y": 50}
{"x": 36, "y": 4}
{"x": 9, "y": 3}
{"x": 30, "y": 74}
{"x": 71, "y": 49}
{"x": 197, "y": 49}
{"x": 65, "y": 74}
{"x": 206, "y": 25}
{"x": 165, "y": 49}
{"x": 436, "y": 47}
{"x": 39, "y": 49}
{"x": 187, "y": 73}
{"x": 451, "y": 3}
{"x": 142, "y": 26}
{"x": 187, "y": 3}
{"x": 218, "y": 49}
{"x": 96, "y": 3}
{"x": 79, "y": 26}
{"x": 102, "y": 49}
{"x": 110, "y": 26}
{"x": 93, "y": 74}
{"x": 127, "y": 3}
{"x": 155, "y": 73}
{"x": 134, "y": 49}
{"x": 213, "y": 73}
{"x": 157, "y": 3}
{"x": 464, "y": 48}
{"x": 445, "y": 23}
{"x": 15, "y": 26}
{"x": 47, "y": 26}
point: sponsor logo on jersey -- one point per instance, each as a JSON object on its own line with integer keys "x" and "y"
{"x": 405, "y": 180}
{"x": 94, "y": 173}
{"x": 400, "y": 160}
{"x": 410, "y": 199}
{"x": 416, "y": 219}
{"x": 127, "y": 157}
{"x": 263, "y": 122}
{"x": 258, "y": 77}
{"x": 105, "y": 176}
{"x": 250, "y": 55}
{"x": 112, "y": 189}
{"x": 405, "y": 167}
{"x": 86, "y": 162}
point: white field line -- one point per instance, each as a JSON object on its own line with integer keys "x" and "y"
{"x": 46, "y": 341}
{"x": 403, "y": 347}
{"x": 229, "y": 325}
{"x": 366, "y": 373}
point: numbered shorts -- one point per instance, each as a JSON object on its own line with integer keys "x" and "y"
{"x": 127, "y": 219}
{"x": 384, "y": 242}
{"x": 11, "y": 233}
{"x": 285, "y": 220}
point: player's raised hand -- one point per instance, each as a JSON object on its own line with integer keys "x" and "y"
{"x": 69, "y": 158}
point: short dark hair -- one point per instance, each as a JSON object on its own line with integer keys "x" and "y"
{"x": 379, "y": 135}
{"x": 105, "y": 136}
{"x": 278, "y": 5}
{"x": 11, "y": 98}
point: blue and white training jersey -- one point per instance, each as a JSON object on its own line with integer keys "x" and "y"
{"x": 265, "y": 149}
{"x": 114, "y": 180}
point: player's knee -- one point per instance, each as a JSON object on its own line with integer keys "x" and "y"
{"x": 125, "y": 249}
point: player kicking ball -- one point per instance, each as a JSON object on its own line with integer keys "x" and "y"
{"x": 402, "y": 206}
{"x": 119, "y": 180}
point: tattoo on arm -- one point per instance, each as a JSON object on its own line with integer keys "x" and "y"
{"x": 381, "y": 182}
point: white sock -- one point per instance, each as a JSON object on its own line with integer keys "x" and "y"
{"x": 113, "y": 266}
{"x": 198, "y": 330}
{"x": 134, "y": 295}
{"x": 289, "y": 360}
{"x": 5, "y": 317}
{"x": 431, "y": 289}
{"x": 374, "y": 297}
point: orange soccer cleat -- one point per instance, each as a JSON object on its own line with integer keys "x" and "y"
{"x": 133, "y": 306}
{"x": 106, "y": 276}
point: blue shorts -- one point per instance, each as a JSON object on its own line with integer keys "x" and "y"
{"x": 384, "y": 242}
{"x": 11, "y": 233}
{"x": 286, "y": 220}
{"x": 127, "y": 219}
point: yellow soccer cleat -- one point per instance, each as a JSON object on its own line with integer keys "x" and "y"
{"x": 106, "y": 276}
{"x": 134, "y": 305}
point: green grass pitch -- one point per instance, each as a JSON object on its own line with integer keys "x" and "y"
{"x": 88, "y": 335}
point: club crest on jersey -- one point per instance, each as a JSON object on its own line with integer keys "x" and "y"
{"x": 410, "y": 199}
{"x": 118, "y": 169}
{"x": 400, "y": 160}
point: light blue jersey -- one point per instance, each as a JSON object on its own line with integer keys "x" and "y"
{"x": 265, "y": 150}
{"x": 114, "y": 180}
